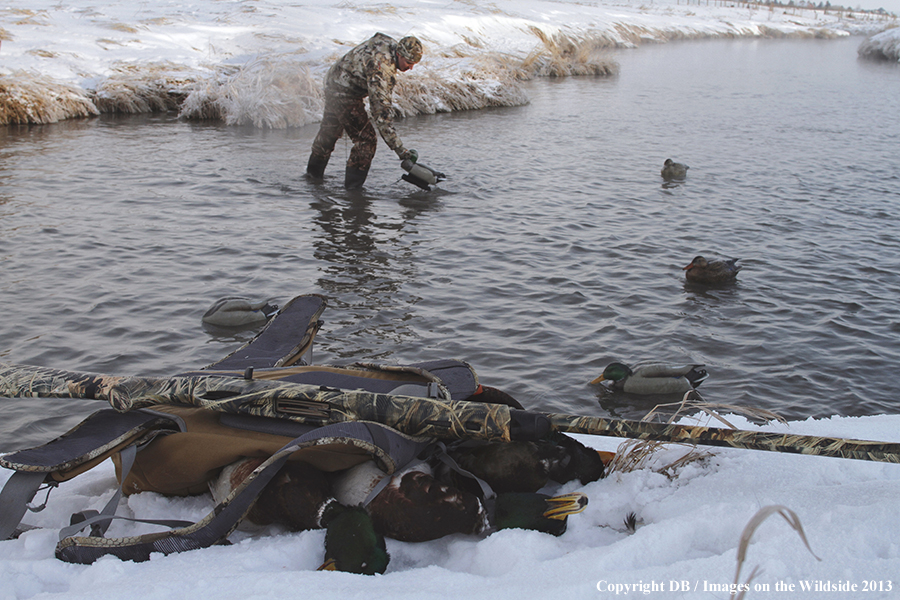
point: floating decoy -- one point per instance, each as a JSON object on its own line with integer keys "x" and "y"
{"x": 716, "y": 271}
{"x": 674, "y": 170}
{"x": 235, "y": 311}
{"x": 653, "y": 378}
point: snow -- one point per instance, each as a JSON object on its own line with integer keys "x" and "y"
{"x": 119, "y": 54}
{"x": 686, "y": 545}
{"x": 884, "y": 45}
{"x": 691, "y": 520}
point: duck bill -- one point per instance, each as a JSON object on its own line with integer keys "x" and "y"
{"x": 687, "y": 267}
{"x": 598, "y": 380}
{"x": 328, "y": 565}
{"x": 560, "y": 507}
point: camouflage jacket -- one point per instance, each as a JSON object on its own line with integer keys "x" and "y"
{"x": 370, "y": 70}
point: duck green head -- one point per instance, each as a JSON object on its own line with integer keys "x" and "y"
{"x": 614, "y": 372}
{"x": 538, "y": 512}
{"x": 351, "y": 543}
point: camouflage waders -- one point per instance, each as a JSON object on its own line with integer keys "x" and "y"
{"x": 344, "y": 114}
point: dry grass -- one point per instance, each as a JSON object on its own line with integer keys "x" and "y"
{"x": 633, "y": 455}
{"x": 761, "y": 515}
{"x": 274, "y": 92}
{"x": 566, "y": 55}
{"x": 31, "y": 98}
{"x": 429, "y": 92}
{"x": 140, "y": 88}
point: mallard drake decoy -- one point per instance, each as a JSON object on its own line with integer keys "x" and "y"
{"x": 537, "y": 512}
{"x": 351, "y": 543}
{"x": 673, "y": 170}
{"x": 716, "y": 271}
{"x": 235, "y": 311}
{"x": 653, "y": 378}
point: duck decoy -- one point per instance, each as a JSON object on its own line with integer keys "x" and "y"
{"x": 654, "y": 378}
{"x": 235, "y": 311}
{"x": 538, "y": 512}
{"x": 673, "y": 170}
{"x": 715, "y": 271}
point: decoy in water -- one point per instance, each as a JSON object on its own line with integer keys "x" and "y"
{"x": 235, "y": 311}
{"x": 674, "y": 170}
{"x": 716, "y": 271}
{"x": 654, "y": 378}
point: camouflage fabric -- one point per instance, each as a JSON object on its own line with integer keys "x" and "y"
{"x": 309, "y": 404}
{"x": 370, "y": 69}
{"x": 731, "y": 438}
{"x": 346, "y": 114}
{"x": 410, "y": 415}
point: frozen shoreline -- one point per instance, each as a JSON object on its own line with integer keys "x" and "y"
{"x": 263, "y": 63}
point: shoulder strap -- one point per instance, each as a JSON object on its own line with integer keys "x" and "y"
{"x": 86, "y": 445}
{"x": 378, "y": 439}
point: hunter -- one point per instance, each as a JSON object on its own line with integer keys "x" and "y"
{"x": 370, "y": 69}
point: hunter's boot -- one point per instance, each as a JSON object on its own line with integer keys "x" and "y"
{"x": 315, "y": 169}
{"x": 354, "y": 178}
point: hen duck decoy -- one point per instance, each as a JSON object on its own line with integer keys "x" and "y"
{"x": 654, "y": 378}
{"x": 716, "y": 271}
{"x": 235, "y": 311}
{"x": 673, "y": 170}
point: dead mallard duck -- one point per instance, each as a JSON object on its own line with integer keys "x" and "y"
{"x": 711, "y": 271}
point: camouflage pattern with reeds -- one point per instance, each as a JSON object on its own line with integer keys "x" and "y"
{"x": 416, "y": 416}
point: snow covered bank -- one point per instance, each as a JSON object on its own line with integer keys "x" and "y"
{"x": 690, "y": 523}
{"x": 263, "y": 63}
{"x": 885, "y": 45}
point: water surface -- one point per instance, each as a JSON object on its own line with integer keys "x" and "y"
{"x": 553, "y": 248}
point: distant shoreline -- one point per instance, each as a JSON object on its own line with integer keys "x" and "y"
{"x": 261, "y": 68}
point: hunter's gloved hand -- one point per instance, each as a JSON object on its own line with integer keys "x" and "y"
{"x": 409, "y": 154}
